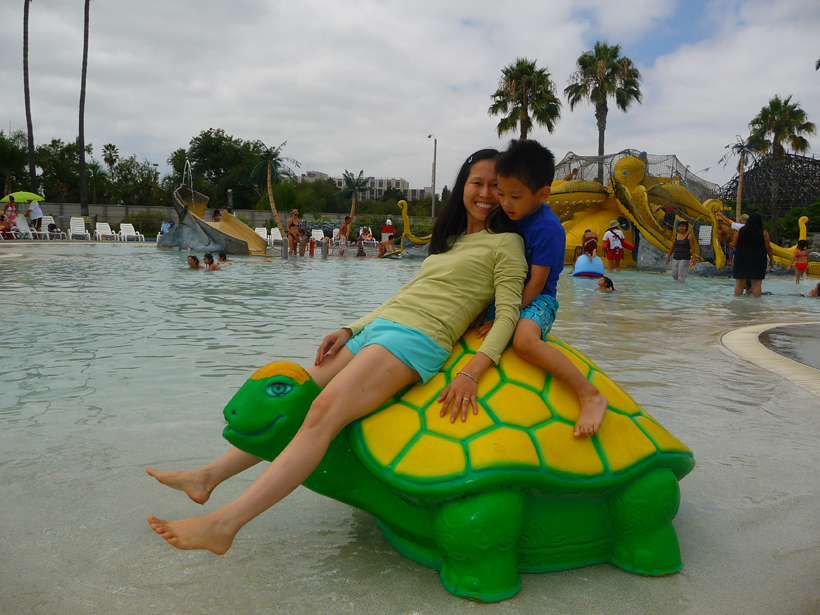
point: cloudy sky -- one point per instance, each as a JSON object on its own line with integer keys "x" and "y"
{"x": 360, "y": 84}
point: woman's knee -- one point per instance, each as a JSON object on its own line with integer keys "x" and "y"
{"x": 322, "y": 417}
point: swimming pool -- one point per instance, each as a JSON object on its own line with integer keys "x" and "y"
{"x": 115, "y": 357}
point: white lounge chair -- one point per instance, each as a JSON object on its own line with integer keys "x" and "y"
{"x": 76, "y": 228}
{"x": 317, "y": 234}
{"x": 47, "y": 221}
{"x": 275, "y": 236}
{"x": 23, "y": 230}
{"x": 127, "y": 231}
{"x": 263, "y": 233}
{"x": 103, "y": 230}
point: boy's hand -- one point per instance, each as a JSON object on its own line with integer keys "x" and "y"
{"x": 480, "y": 318}
{"x": 332, "y": 343}
{"x": 482, "y": 331}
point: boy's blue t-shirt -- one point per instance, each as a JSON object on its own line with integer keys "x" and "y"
{"x": 544, "y": 241}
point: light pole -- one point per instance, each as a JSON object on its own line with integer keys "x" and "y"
{"x": 435, "y": 145}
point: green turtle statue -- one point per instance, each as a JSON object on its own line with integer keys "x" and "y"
{"x": 508, "y": 491}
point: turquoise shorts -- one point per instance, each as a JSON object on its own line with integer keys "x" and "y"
{"x": 412, "y": 347}
{"x": 542, "y": 310}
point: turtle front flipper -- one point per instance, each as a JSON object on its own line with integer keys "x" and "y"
{"x": 477, "y": 537}
{"x": 642, "y": 513}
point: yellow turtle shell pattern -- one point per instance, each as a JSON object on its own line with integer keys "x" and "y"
{"x": 522, "y": 436}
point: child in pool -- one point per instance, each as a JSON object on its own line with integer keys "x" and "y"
{"x": 524, "y": 173}
{"x": 579, "y": 251}
{"x": 210, "y": 265}
{"x": 800, "y": 261}
{"x": 814, "y": 292}
{"x": 302, "y": 241}
{"x": 605, "y": 285}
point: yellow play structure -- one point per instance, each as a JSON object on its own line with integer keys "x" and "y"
{"x": 638, "y": 199}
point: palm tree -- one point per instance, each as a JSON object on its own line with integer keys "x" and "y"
{"x": 601, "y": 74}
{"x": 353, "y": 187}
{"x": 740, "y": 148}
{"x": 81, "y": 140}
{"x": 525, "y": 93}
{"x": 277, "y": 167}
{"x": 110, "y": 155}
{"x": 32, "y": 173}
{"x": 778, "y": 127}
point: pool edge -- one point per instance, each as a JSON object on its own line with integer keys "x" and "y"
{"x": 745, "y": 343}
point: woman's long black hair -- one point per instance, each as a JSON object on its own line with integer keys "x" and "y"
{"x": 751, "y": 235}
{"x": 452, "y": 218}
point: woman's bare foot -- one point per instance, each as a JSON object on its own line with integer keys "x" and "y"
{"x": 195, "y": 483}
{"x": 207, "y": 533}
{"x": 593, "y": 410}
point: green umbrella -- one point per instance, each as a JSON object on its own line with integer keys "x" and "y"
{"x": 22, "y": 197}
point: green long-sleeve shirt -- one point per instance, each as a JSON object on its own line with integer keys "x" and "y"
{"x": 452, "y": 288}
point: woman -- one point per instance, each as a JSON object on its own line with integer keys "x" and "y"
{"x": 752, "y": 245}
{"x": 682, "y": 252}
{"x": 293, "y": 231}
{"x": 475, "y": 255}
{"x": 193, "y": 263}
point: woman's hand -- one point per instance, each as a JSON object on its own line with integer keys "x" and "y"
{"x": 332, "y": 343}
{"x": 461, "y": 394}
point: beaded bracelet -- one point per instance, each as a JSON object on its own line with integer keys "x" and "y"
{"x": 468, "y": 376}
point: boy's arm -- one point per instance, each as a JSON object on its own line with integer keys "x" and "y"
{"x": 538, "y": 278}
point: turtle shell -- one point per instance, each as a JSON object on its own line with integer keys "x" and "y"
{"x": 522, "y": 436}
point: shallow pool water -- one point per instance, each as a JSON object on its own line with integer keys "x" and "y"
{"x": 116, "y": 357}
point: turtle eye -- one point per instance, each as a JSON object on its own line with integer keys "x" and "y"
{"x": 277, "y": 389}
{"x": 624, "y": 172}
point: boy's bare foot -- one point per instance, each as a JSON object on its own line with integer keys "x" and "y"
{"x": 194, "y": 483}
{"x": 194, "y": 533}
{"x": 593, "y": 410}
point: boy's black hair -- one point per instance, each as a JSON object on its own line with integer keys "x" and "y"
{"x": 452, "y": 218}
{"x": 347, "y": 218}
{"x": 527, "y": 161}
{"x": 223, "y": 254}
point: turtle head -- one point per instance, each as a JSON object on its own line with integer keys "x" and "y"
{"x": 268, "y": 410}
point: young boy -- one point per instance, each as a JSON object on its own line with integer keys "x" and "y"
{"x": 344, "y": 232}
{"x": 524, "y": 174}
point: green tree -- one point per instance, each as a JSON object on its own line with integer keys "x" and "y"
{"x": 81, "y": 149}
{"x": 745, "y": 152}
{"x": 224, "y": 162}
{"x": 778, "y": 127}
{"x": 445, "y": 195}
{"x": 525, "y": 94}
{"x": 354, "y": 186}
{"x": 110, "y": 155}
{"x": 601, "y": 74}
{"x": 59, "y": 162}
{"x": 136, "y": 183}
{"x": 392, "y": 194}
{"x": 98, "y": 180}
{"x": 13, "y": 161}
{"x": 276, "y": 167}
{"x": 32, "y": 172}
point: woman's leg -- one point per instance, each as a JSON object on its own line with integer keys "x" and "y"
{"x": 367, "y": 381}
{"x": 674, "y": 269}
{"x": 199, "y": 484}
{"x": 757, "y": 288}
{"x": 683, "y": 270}
{"x": 740, "y": 286}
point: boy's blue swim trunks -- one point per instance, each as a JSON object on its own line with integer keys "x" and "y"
{"x": 542, "y": 310}
{"x": 412, "y": 347}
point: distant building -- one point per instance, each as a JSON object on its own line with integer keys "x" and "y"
{"x": 312, "y": 176}
{"x": 377, "y": 186}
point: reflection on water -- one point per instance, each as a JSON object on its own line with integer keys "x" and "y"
{"x": 798, "y": 343}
